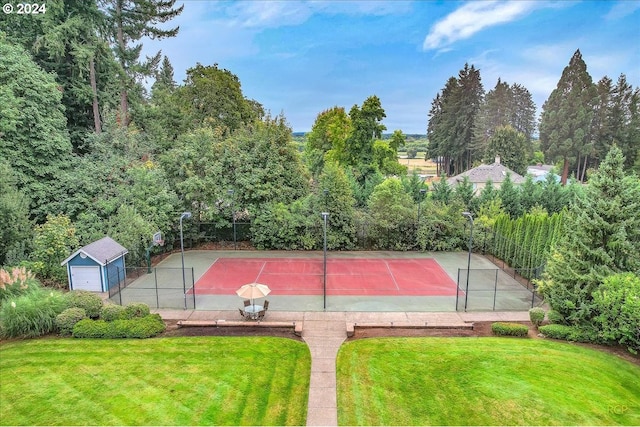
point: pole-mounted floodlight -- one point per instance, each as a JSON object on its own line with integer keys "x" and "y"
{"x": 324, "y": 274}
{"x": 469, "y": 216}
{"x": 184, "y": 215}
{"x": 233, "y": 214}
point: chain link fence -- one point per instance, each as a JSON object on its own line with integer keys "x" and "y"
{"x": 158, "y": 287}
{"x": 493, "y": 289}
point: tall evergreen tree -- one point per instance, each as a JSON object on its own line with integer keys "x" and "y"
{"x": 601, "y": 237}
{"x": 131, "y": 20}
{"x": 567, "y": 114}
{"x": 452, "y": 120}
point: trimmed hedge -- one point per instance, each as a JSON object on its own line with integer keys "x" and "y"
{"x": 66, "y": 320}
{"x": 139, "y": 327}
{"x": 111, "y": 312}
{"x": 536, "y": 315}
{"x": 91, "y": 302}
{"x": 136, "y": 309}
{"x": 509, "y": 329}
{"x": 557, "y": 332}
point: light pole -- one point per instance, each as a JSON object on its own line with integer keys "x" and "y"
{"x": 184, "y": 281}
{"x": 233, "y": 214}
{"x": 466, "y": 294}
{"x": 324, "y": 274}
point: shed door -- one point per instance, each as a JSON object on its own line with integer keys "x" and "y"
{"x": 86, "y": 278}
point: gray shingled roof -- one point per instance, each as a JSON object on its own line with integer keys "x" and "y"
{"x": 497, "y": 172}
{"x": 102, "y": 251}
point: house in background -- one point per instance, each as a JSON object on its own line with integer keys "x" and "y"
{"x": 96, "y": 267}
{"x": 479, "y": 176}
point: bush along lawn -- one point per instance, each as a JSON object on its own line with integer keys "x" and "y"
{"x": 483, "y": 381}
{"x": 160, "y": 381}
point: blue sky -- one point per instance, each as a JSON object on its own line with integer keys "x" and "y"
{"x": 300, "y": 57}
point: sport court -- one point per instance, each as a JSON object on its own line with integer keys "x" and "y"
{"x": 363, "y": 281}
{"x": 344, "y": 277}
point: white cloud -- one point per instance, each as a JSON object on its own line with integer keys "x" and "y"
{"x": 622, "y": 9}
{"x": 274, "y": 14}
{"x": 473, "y": 17}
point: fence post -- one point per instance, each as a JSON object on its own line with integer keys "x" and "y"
{"x": 155, "y": 280}
{"x": 495, "y": 290}
{"x": 193, "y": 286}
{"x": 119, "y": 287}
{"x": 457, "y": 289}
{"x": 533, "y": 295}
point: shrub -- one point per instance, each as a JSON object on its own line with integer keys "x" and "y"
{"x": 111, "y": 312}
{"x": 555, "y": 317}
{"x": 16, "y": 282}
{"x": 618, "y": 302}
{"x": 66, "y": 320}
{"x": 91, "y": 302}
{"x": 509, "y": 329}
{"x": 139, "y": 327}
{"x": 32, "y": 314}
{"x": 558, "y": 332}
{"x": 536, "y": 315}
{"x": 136, "y": 309}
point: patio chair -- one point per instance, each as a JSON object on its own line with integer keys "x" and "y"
{"x": 266, "y": 304}
{"x": 247, "y": 302}
{"x": 242, "y": 313}
{"x": 260, "y": 315}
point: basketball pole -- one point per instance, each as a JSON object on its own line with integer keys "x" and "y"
{"x": 184, "y": 282}
{"x": 324, "y": 270}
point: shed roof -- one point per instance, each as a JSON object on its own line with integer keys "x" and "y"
{"x": 497, "y": 172}
{"x": 101, "y": 251}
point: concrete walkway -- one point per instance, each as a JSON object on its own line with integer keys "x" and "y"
{"x": 324, "y": 333}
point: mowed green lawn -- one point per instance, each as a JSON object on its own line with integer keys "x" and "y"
{"x": 164, "y": 381}
{"x": 483, "y": 381}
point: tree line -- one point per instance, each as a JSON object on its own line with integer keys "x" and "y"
{"x": 86, "y": 150}
{"x": 580, "y": 122}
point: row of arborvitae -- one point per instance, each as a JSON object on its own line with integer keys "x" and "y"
{"x": 524, "y": 243}
{"x": 28, "y": 310}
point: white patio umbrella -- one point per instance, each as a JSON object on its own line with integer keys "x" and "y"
{"x": 253, "y": 290}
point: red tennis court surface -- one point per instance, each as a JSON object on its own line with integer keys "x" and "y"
{"x": 303, "y": 276}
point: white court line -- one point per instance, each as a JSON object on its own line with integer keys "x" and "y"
{"x": 391, "y": 274}
{"x": 264, "y": 263}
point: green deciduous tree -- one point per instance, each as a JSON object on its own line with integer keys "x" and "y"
{"x": 15, "y": 228}
{"x": 366, "y": 127}
{"x": 212, "y": 97}
{"x": 442, "y": 228}
{"x": 54, "y": 241}
{"x": 328, "y": 138}
{"x": 601, "y": 237}
{"x": 339, "y": 202}
{"x": 392, "y": 215}
{"x": 33, "y": 134}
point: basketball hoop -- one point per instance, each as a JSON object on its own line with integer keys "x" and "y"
{"x": 157, "y": 239}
